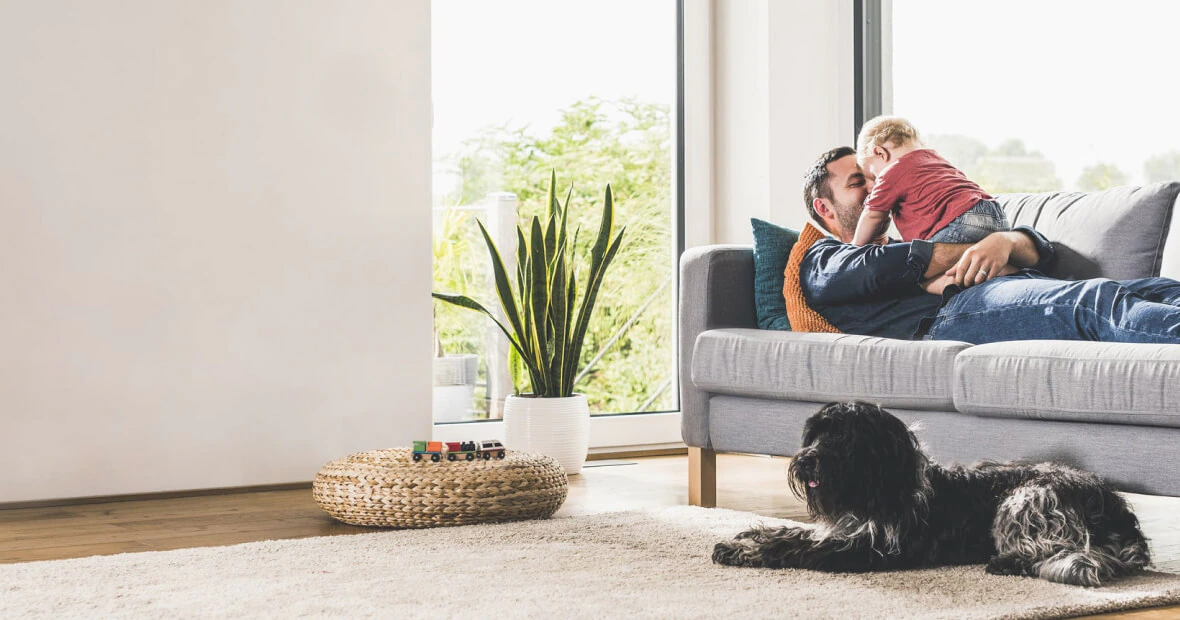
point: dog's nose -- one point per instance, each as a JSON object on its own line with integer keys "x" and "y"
{"x": 805, "y": 461}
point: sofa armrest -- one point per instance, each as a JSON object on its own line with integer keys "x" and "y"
{"x": 716, "y": 290}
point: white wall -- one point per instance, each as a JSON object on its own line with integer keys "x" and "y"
{"x": 741, "y": 121}
{"x": 783, "y": 95}
{"x": 699, "y": 161}
{"x": 214, "y": 240}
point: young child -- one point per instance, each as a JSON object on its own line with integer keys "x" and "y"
{"x": 929, "y": 198}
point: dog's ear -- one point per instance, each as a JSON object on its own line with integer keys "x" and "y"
{"x": 837, "y": 408}
{"x": 825, "y": 412}
{"x": 829, "y": 410}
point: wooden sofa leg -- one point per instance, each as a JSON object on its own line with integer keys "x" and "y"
{"x": 702, "y": 477}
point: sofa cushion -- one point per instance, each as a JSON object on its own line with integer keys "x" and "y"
{"x": 825, "y": 367}
{"x": 1081, "y": 381}
{"x": 800, "y": 315}
{"x": 1117, "y": 233}
{"x": 772, "y": 246}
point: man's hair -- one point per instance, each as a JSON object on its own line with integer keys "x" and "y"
{"x": 816, "y": 183}
{"x": 883, "y": 130}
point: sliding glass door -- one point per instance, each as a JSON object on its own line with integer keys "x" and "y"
{"x": 1037, "y": 96}
{"x": 588, "y": 89}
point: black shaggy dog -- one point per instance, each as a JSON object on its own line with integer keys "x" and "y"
{"x": 880, "y": 504}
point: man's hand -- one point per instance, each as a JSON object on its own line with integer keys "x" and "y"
{"x": 972, "y": 264}
{"x": 1006, "y": 270}
{"x": 982, "y": 261}
{"x": 936, "y": 284}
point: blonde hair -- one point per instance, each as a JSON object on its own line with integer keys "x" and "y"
{"x": 883, "y": 130}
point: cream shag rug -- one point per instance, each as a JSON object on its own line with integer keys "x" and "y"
{"x": 651, "y": 564}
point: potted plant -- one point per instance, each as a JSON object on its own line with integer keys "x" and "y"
{"x": 547, "y": 313}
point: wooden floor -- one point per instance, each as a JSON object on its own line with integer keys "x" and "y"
{"x": 754, "y": 484}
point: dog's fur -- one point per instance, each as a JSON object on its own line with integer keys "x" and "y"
{"x": 880, "y": 504}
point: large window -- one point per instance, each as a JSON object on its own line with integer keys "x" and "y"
{"x": 1036, "y": 96}
{"x": 588, "y": 89}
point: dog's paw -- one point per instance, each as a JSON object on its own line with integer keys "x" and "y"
{"x": 1009, "y": 564}
{"x": 1077, "y": 569}
{"x": 737, "y": 552}
{"x": 764, "y": 534}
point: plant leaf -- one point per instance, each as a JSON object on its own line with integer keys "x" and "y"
{"x": 464, "y": 301}
{"x": 558, "y": 316}
{"x": 539, "y": 299}
{"x": 597, "y": 253}
{"x": 522, "y": 275}
{"x": 569, "y": 365}
{"x": 565, "y": 211}
{"x": 516, "y": 369}
{"x": 522, "y": 254}
{"x": 605, "y": 228}
{"x": 553, "y": 206}
{"x": 550, "y": 245}
{"x": 554, "y": 212}
{"x": 591, "y": 295}
{"x": 503, "y": 287}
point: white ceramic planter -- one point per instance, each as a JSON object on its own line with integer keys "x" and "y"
{"x": 556, "y": 427}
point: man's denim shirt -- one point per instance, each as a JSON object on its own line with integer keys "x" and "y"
{"x": 875, "y": 290}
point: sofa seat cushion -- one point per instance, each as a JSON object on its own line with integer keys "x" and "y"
{"x": 1079, "y": 381}
{"x": 825, "y": 367}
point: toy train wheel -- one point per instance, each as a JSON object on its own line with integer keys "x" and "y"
{"x": 470, "y": 456}
{"x": 500, "y": 454}
{"x": 434, "y": 458}
{"x": 450, "y": 457}
{"x": 487, "y": 456}
{"x": 417, "y": 457}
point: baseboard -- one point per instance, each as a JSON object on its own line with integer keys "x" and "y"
{"x": 135, "y": 497}
{"x": 634, "y": 454}
{"x": 601, "y": 454}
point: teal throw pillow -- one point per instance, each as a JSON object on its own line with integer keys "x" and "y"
{"x": 772, "y": 248}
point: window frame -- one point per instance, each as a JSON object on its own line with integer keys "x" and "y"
{"x": 867, "y": 53}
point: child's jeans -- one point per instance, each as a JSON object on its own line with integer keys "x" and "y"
{"x": 985, "y": 218}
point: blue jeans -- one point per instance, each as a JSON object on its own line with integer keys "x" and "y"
{"x": 985, "y": 218}
{"x": 1032, "y": 306}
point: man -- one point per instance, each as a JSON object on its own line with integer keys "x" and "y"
{"x": 986, "y": 292}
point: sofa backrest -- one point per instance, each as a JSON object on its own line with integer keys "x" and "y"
{"x": 1119, "y": 233}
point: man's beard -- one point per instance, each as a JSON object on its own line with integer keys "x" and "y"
{"x": 848, "y": 216}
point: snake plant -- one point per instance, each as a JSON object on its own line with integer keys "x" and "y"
{"x": 547, "y": 314}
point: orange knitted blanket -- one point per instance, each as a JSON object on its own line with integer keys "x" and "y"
{"x": 801, "y": 317}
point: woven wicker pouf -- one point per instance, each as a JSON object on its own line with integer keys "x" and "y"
{"x": 388, "y": 488}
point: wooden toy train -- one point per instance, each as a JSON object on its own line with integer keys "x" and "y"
{"x": 455, "y": 450}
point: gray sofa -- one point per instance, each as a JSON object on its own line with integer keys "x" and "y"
{"x": 1110, "y": 408}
